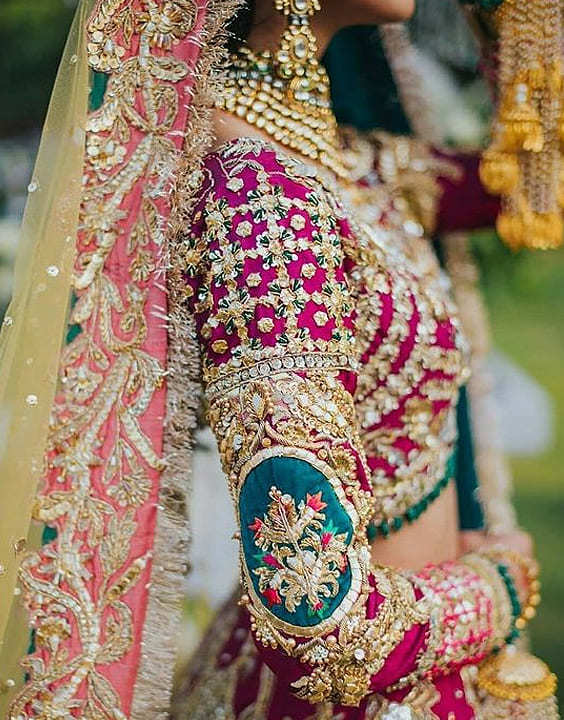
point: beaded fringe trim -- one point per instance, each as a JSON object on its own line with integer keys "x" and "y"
{"x": 387, "y": 527}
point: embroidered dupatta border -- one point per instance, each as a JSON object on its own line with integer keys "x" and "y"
{"x": 104, "y": 596}
{"x": 160, "y": 636}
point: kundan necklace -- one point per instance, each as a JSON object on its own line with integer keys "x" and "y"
{"x": 286, "y": 93}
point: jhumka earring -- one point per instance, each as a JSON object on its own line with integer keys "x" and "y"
{"x": 286, "y": 92}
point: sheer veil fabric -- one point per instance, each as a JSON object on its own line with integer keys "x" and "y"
{"x": 29, "y": 354}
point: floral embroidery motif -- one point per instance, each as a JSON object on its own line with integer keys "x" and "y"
{"x": 84, "y": 590}
{"x": 265, "y": 264}
{"x": 303, "y": 554}
{"x": 296, "y": 434}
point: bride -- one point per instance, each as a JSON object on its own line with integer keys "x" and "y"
{"x": 256, "y": 250}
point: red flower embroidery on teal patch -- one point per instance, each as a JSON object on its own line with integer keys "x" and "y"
{"x": 269, "y": 559}
{"x": 326, "y": 539}
{"x": 256, "y": 526}
{"x": 272, "y": 597}
{"x": 315, "y": 502}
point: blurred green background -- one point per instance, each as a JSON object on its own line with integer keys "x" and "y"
{"x": 525, "y": 292}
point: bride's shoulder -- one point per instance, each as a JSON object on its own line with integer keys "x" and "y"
{"x": 253, "y": 171}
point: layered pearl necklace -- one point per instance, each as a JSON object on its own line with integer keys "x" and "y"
{"x": 287, "y": 95}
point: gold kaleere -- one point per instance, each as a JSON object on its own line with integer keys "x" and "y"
{"x": 515, "y": 684}
{"x": 524, "y": 162}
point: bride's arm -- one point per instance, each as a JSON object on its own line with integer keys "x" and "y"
{"x": 265, "y": 273}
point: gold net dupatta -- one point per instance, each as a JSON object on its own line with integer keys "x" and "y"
{"x": 34, "y": 328}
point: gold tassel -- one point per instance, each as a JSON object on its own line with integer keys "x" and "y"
{"x": 561, "y": 133}
{"x": 521, "y": 123}
{"x": 523, "y": 163}
{"x": 499, "y": 172}
{"x": 515, "y": 684}
{"x": 561, "y": 190}
{"x": 523, "y": 129}
{"x": 528, "y": 229}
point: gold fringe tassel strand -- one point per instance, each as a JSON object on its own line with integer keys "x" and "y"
{"x": 524, "y": 161}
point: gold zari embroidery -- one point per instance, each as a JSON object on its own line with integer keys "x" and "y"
{"x": 269, "y": 401}
{"x": 287, "y": 401}
{"x": 98, "y": 450}
{"x": 415, "y": 706}
{"x": 286, "y": 410}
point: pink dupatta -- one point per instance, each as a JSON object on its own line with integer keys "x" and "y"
{"x": 104, "y": 595}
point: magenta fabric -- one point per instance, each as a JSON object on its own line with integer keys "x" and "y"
{"x": 231, "y": 190}
{"x": 464, "y": 203}
{"x": 283, "y": 705}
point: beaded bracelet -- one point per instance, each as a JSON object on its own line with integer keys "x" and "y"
{"x": 503, "y": 570}
{"x": 522, "y": 613}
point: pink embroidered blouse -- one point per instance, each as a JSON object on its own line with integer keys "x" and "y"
{"x": 332, "y": 357}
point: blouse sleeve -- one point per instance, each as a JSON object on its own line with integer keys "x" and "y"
{"x": 266, "y": 276}
{"x": 442, "y": 189}
{"x": 464, "y": 202}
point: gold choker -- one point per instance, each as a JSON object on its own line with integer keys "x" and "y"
{"x": 286, "y": 94}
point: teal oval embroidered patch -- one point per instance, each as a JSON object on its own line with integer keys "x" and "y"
{"x": 295, "y": 535}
